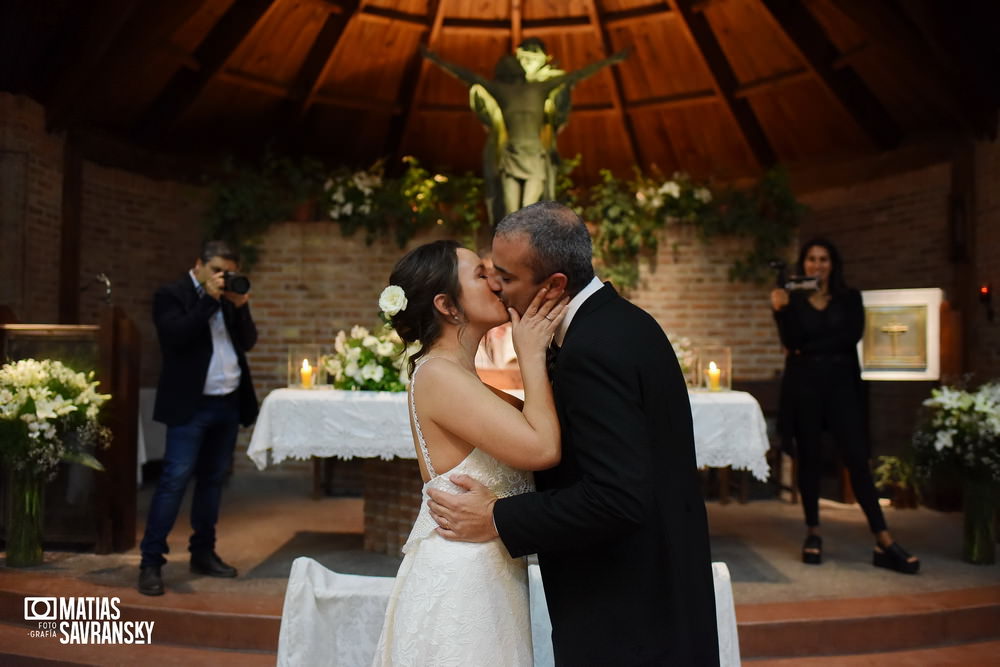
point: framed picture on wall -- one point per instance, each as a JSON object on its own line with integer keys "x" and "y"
{"x": 902, "y": 338}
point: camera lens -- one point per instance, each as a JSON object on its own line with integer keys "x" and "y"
{"x": 238, "y": 283}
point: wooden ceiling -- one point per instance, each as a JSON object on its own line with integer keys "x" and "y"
{"x": 715, "y": 87}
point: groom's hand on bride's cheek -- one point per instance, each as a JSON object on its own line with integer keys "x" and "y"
{"x": 466, "y": 517}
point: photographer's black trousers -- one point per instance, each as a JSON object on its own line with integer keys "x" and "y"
{"x": 827, "y": 396}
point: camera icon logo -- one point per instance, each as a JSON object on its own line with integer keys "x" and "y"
{"x": 40, "y": 609}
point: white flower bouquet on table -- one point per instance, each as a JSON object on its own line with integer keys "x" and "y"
{"x": 685, "y": 356}
{"x": 368, "y": 361}
{"x": 962, "y": 430}
{"x": 48, "y": 414}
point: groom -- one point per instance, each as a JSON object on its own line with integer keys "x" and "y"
{"x": 619, "y": 525}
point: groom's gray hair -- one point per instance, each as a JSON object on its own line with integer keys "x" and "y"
{"x": 559, "y": 241}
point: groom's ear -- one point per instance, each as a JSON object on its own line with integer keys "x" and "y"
{"x": 556, "y": 284}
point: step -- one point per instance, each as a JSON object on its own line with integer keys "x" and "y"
{"x": 209, "y": 620}
{"x": 977, "y": 653}
{"x": 836, "y": 627}
{"x": 868, "y": 625}
{"x": 20, "y": 649}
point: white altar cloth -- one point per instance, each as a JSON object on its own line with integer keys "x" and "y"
{"x": 729, "y": 428}
{"x": 331, "y": 619}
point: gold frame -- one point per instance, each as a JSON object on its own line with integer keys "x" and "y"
{"x": 896, "y": 321}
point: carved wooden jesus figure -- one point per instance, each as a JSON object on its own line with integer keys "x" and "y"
{"x": 522, "y": 114}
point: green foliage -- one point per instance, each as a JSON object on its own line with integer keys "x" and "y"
{"x": 624, "y": 216}
{"x": 248, "y": 197}
{"x": 766, "y": 213}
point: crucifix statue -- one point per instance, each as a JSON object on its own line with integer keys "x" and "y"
{"x": 523, "y": 108}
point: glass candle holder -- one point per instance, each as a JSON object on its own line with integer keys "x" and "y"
{"x": 715, "y": 368}
{"x": 303, "y": 366}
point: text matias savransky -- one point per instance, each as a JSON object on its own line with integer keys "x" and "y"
{"x": 84, "y": 620}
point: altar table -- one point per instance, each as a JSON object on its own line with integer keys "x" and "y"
{"x": 729, "y": 428}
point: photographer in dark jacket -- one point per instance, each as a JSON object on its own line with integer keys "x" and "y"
{"x": 205, "y": 393}
{"x": 821, "y": 389}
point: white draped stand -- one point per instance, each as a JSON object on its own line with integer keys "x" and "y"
{"x": 334, "y": 620}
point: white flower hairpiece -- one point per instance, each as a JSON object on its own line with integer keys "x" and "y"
{"x": 392, "y": 300}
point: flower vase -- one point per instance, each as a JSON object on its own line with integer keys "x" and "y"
{"x": 979, "y": 535}
{"x": 25, "y": 518}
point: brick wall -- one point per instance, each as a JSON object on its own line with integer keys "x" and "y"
{"x": 986, "y": 335}
{"x": 143, "y": 233}
{"x": 30, "y": 210}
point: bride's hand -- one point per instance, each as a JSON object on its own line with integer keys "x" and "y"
{"x": 533, "y": 331}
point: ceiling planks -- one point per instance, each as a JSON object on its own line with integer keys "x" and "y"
{"x": 819, "y": 54}
{"x": 699, "y": 32}
{"x": 617, "y": 99}
{"x": 211, "y": 55}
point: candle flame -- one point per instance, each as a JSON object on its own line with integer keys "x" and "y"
{"x": 305, "y": 365}
{"x": 712, "y": 366}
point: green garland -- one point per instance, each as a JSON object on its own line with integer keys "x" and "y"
{"x": 625, "y": 216}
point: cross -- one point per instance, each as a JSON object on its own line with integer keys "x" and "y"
{"x": 894, "y": 329}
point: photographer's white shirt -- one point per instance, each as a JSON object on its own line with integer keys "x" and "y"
{"x": 224, "y": 368}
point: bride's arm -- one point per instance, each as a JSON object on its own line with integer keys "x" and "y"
{"x": 461, "y": 404}
{"x": 510, "y": 398}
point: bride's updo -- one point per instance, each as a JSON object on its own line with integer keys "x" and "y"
{"x": 423, "y": 273}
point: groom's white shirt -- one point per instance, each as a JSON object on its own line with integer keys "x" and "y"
{"x": 574, "y": 305}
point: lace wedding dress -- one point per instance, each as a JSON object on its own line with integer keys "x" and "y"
{"x": 458, "y": 603}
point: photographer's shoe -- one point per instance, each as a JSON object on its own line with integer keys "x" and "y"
{"x": 150, "y": 581}
{"x": 210, "y": 565}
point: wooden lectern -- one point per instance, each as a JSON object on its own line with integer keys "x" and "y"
{"x": 83, "y": 506}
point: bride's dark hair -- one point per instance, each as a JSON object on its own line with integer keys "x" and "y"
{"x": 423, "y": 273}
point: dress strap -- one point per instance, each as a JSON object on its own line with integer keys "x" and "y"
{"x": 416, "y": 420}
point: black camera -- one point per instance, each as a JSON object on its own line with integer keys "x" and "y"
{"x": 791, "y": 283}
{"x": 235, "y": 282}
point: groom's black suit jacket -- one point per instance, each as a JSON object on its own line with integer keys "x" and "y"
{"x": 619, "y": 525}
{"x": 181, "y": 317}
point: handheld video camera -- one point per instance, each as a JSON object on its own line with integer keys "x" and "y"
{"x": 792, "y": 283}
{"x": 235, "y": 282}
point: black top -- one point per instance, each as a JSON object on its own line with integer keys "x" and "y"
{"x": 835, "y": 330}
{"x": 619, "y": 525}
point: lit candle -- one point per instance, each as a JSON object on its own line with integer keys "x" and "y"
{"x": 713, "y": 373}
{"x": 307, "y": 374}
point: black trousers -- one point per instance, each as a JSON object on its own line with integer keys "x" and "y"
{"x": 827, "y": 397}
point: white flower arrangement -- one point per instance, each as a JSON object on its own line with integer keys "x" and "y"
{"x": 351, "y": 194}
{"x": 962, "y": 429}
{"x": 685, "y": 354}
{"x": 677, "y": 198}
{"x": 48, "y": 414}
{"x": 368, "y": 361}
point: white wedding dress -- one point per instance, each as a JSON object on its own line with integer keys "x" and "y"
{"x": 458, "y": 603}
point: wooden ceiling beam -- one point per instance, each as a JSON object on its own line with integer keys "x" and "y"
{"x": 851, "y": 55}
{"x": 699, "y": 6}
{"x": 901, "y": 40}
{"x": 314, "y": 68}
{"x": 412, "y": 83}
{"x": 663, "y": 102}
{"x": 102, "y": 31}
{"x": 807, "y": 37}
{"x": 617, "y": 97}
{"x": 635, "y": 15}
{"x": 515, "y": 24}
{"x": 148, "y": 23}
{"x": 185, "y": 86}
{"x": 767, "y": 83}
{"x": 702, "y": 39}
{"x": 376, "y": 13}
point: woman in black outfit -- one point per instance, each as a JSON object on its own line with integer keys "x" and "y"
{"x": 822, "y": 389}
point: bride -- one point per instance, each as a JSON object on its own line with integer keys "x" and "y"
{"x": 459, "y": 603}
